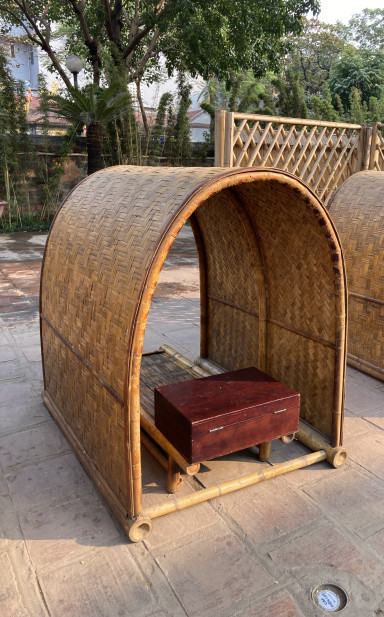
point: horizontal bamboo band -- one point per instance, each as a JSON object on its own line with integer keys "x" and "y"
{"x": 368, "y": 298}
{"x": 296, "y": 121}
{"x": 83, "y": 361}
{"x": 172, "y": 505}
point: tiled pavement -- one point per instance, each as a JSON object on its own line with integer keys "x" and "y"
{"x": 259, "y": 552}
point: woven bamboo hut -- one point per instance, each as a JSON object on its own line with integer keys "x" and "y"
{"x": 272, "y": 296}
{"x": 357, "y": 209}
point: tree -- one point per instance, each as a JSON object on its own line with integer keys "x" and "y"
{"x": 313, "y": 53}
{"x": 14, "y": 143}
{"x": 361, "y": 70}
{"x": 366, "y": 30}
{"x": 94, "y": 107}
{"x": 291, "y": 96}
{"x": 206, "y": 38}
{"x": 322, "y": 108}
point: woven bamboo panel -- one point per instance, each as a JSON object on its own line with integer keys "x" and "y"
{"x": 358, "y": 212}
{"x": 272, "y": 287}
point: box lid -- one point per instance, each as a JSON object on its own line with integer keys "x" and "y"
{"x": 219, "y": 400}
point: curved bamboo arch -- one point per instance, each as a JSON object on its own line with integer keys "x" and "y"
{"x": 114, "y": 232}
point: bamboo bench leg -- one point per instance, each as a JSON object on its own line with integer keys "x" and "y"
{"x": 264, "y": 451}
{"x": 173, "y": 476}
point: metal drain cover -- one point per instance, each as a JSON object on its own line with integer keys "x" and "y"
{"x": 330, "y": 597}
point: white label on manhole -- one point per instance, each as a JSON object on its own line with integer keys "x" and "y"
{"x": 328, "y": 600}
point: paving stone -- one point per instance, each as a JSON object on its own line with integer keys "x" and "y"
{"x": 281, "y": 452}
{"x": 23, "y": 414}
{"x": 32, "y": 353}
{"x": 354, "y": 498}
{"x": 153, "y": 340}
{"x": 11, "y": 603}
{"x": 281, "y": 605}
{"x": 114, "y": 587}
{"x": 32, "y": 444}
{"x": 15, "y": 392}
{"x": 327, "y": 546}
{"x": 213, "y": 573}
{"x": 6, "y": 352}
{"x": 355, "y": 428}
{"x": 376, "y": 541}
{"x": 268, "y": 510}
{"x": 368, "y": 451}
{"x": 55, "y": 480}
{"x": 4, "y": 340}
{"x": 177, "y": 526}
{"x": 9, "y": 523}
{"x": 364, "y": 379}
{"x": 11, "y": 370}
{"x": 360, "y": 399}
{"x": 70, "y": 530}
{"x": 27, "y": 338}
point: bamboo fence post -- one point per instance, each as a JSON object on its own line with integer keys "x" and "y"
{"x": 219, "y": 138}
{"x": 228, "y": 143}
{"x": 374, "y": 150}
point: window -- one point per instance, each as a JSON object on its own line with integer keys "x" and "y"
{"x": 13, "y": 55}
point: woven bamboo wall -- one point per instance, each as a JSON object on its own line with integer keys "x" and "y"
{"x": 358, "y": 212}
{"x": 272, "y": 295}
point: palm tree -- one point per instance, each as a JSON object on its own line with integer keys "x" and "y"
{"x": 94, "y": 107}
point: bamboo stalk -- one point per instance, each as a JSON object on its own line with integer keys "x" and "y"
{"x": 173, "y": 476}
{"x": 297, "y": 121}
{"x": 180, "y": 503}
{"x": 219, "y": 138}
{"x": 228, "y": 147}
{"x": 315, "y": 441}
{"x": 264, "y": 451}
{"x": 154, "y": 450}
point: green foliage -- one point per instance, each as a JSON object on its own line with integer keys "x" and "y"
{"x": 205, "y": 38}
{"x": 313, "y": 53}
{"x": 357, "y": 108}
{"x": 363, "y": 71}
{"x": 159, "y": 129}
{"x": 322, "y": 108}
{"x": 182, "y": 132}
{"x": 51, "y": 169}
{"x": 14, "y": 144}
{"x": 291, "y": 101}
{"x": 101, "y": 110}
{"x": 366, "y": 30}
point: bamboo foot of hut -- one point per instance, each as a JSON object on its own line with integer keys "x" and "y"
{"x": 173, "y": 476}
{"x": 264, "y": 451}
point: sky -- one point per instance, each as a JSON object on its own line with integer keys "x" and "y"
{"x": 342, "y": 10}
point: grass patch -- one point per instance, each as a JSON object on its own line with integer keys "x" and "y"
{"x": 32, "y": 222}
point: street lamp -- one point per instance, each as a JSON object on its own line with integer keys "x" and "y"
{"x": 75, "y": 65}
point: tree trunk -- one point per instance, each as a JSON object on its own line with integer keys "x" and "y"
{"x": 95, "y": 135}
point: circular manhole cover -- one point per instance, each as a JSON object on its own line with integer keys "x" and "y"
{"x": 330, "y": 597}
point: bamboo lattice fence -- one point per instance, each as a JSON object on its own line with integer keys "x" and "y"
{"x": 322, "y": 154}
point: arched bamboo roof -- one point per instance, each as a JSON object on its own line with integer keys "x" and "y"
{"x": 357, "y": 209}
{"x": 272, "y": 296}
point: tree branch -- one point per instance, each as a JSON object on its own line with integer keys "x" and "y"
{"x": 92, "y": 43}
{"x": 39, "y": 39}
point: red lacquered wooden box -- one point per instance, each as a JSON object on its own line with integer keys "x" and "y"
{"x": 212, "y": 416}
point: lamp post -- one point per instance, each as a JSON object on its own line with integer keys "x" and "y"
{"x": 75, "y": 65}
